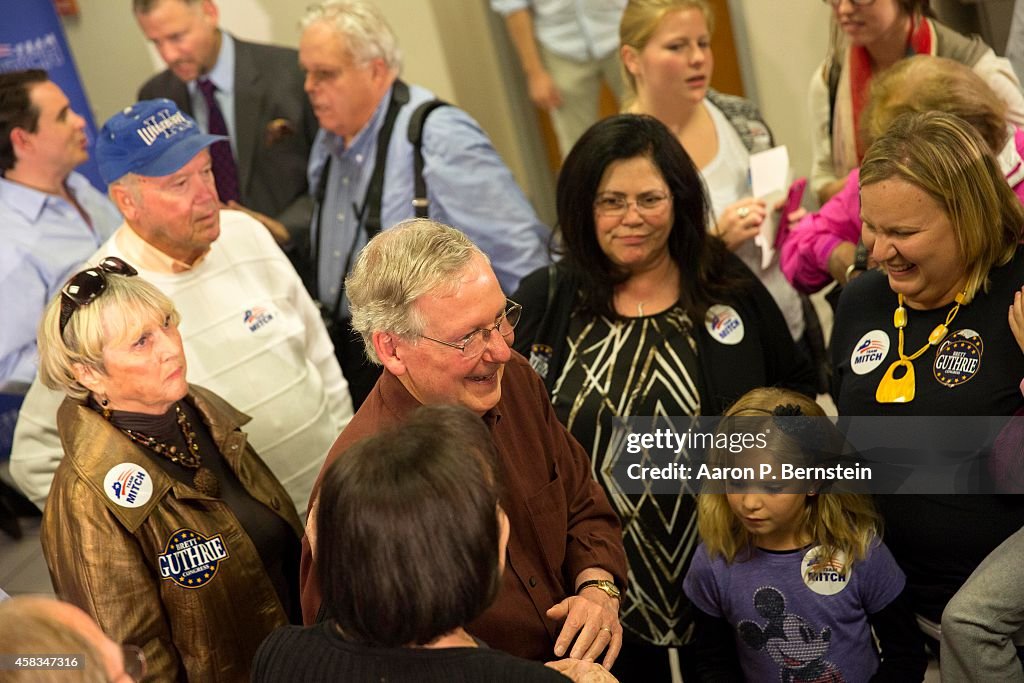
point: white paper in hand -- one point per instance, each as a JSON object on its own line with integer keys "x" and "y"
{"x": 769, "y": 180}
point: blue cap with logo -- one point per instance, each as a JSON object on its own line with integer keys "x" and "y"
{"x": 150, "y": 138}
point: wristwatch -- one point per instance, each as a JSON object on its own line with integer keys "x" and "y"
{"x": 860, "y": 261}
{"x": 608, "y": 587}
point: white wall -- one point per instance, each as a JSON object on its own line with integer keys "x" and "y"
{"x": 785, "y": 41}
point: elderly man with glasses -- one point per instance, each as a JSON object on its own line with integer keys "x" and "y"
{"x": 430, "y": 311}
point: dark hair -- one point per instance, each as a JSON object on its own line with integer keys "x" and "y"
{"x": 703, "y": 260}
{"x": 16, "y": 109}
{"x": 408, "y": 530}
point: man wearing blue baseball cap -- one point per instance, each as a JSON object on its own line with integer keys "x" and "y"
{"x": 251, "y": 332}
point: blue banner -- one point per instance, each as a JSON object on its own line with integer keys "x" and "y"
{"x": 32, "y": 37}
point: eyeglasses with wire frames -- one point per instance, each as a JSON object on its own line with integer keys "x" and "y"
{"x": 857, "y": 3}
{"x": 474, "y": 343}
{"x": 85, "y": 287}
{"x": 617, "y": 205}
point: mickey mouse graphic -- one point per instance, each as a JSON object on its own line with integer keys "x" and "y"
{"x": 793, "y": 643}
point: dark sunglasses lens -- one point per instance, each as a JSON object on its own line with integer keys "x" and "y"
{"x": 85, "y": 286}
{"x": 112, "y": 264}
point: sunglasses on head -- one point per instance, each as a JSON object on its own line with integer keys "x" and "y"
{"x": 85, "y": 287}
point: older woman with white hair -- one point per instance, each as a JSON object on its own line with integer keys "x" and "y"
{"x": 162, "y": 523}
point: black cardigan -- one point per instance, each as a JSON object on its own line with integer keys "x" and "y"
{"x": 766, "y": 356}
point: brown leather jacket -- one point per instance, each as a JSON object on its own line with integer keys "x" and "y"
{"x": 156, "y": 563}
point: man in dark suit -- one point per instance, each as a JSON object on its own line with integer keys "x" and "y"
{"x": 250, "y": 92}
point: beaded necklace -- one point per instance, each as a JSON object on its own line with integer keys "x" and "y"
{"x": 902, "y": 389}
{"x": 204, "y": 480}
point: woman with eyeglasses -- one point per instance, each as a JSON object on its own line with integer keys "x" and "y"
{"x": 668, "y": 66}
{"x": 646, "y": 315}
{"x": 162, "y": 523}
{"x": 869, "y": 36}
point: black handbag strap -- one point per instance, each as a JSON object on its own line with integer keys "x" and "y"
{"x": 375, "y": 190}
{"x": 370, "y": 213}
{"x": 369, "y": 216}
{"x": 420, "y": 203}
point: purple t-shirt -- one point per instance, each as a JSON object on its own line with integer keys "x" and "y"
{"x": 792, "y": 623}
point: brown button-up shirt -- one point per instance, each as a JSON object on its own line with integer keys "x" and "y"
{"x": 561, "y": 521}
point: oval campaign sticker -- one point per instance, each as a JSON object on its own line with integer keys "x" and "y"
{"x": 869, "y": 352}
{"x": 825, "y": 576}
{"x": 724, "y": 324}
{"x": 129, "y": 485}
{"x": 958, "y": 359}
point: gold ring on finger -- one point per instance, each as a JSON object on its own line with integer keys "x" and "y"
{"x": 743, "y": 211}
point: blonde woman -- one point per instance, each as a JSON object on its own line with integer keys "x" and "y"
{"x": 668, "y": 63}
{"x": 162, "y": 523}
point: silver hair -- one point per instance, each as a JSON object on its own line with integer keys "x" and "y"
{"x": 398, "y": 266}
{"x": 364, "y": 28}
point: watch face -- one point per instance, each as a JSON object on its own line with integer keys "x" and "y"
{"x": 610, "y": 588}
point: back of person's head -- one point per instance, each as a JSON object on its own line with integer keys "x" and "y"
{"x": 40, "y": 627}
{"x": 121, "y": 309}
{"x": 397, "y": 267}
{"x": 620, "y": 138}
{"x": 16, "y": 109}
{"x": 924, "y": 83}
{"x": 641, "y": 18}
{"x": 409, "y": 530}
{"x": 946, "y": 158}
{"x": 367, "y": 34}
{"x": 795, "y": 431}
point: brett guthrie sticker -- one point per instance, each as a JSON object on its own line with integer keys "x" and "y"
{"x": 869, "y": 352}
{"x": 190, "y": 559}
{"x": 129, "y": 485}
{"x": 957, "y": 360}
{"x": 724, "y": 324}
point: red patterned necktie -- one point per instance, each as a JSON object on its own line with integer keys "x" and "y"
{"x": 224, "y": 170}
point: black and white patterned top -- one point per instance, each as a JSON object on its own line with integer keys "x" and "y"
{"x": 637, "y": 366}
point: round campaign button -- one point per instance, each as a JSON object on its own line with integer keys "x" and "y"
{"x": 869, "y": 352}
{"x": 825, "y": 575}
{"x": 724, "y": 324}
{"x": 129, "y": 485}
{"x": 957, "y": 361}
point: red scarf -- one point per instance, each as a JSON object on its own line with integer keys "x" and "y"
{"x": 919, "y": 42}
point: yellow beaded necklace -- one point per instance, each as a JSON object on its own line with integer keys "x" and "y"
{"x": 894, "y": 389}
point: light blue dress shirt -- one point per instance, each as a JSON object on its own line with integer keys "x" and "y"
{"x": 43, "y": 239}
{"x": 582, "y": 30}
{"x": 222, "y": 75}
{"x": 468, "y": 185}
